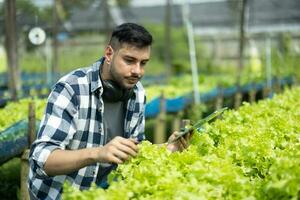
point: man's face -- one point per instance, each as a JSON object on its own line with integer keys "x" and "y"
{"x": 127, "y": 65}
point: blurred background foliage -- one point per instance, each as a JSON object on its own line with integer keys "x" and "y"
{"x": 216, "y": 54}
{"x": 82, "y": 48}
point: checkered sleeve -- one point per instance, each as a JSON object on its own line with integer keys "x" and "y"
{"x": 57, "y": 126}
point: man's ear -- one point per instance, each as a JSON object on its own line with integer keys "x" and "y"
{"x": 108, "y": 53}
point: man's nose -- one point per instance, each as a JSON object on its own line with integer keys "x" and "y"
{"x": 136, "y": 69}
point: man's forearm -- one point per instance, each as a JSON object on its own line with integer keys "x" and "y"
{"x": 62, "y": 162}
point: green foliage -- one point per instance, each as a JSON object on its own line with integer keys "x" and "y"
{"x": 27, "y": 7}
{"x": 10, "y": 179}
{"x": 252, "y": 153}
{"x": 16, "y": 111}
{"x": 195, "y": 112}
{"x": 284, "y": 59}
{"x": 179, "y": 49}
{"x": 183, "y": 85}
{"x": 65, "y": 8}
{"x": 123, "y": 3}
{"x": 3, "y": 59}
{"x": 71, "y": 57}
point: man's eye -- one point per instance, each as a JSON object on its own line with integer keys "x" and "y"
{"x": 129, "y": 61}
{"x": 143, "y": 63}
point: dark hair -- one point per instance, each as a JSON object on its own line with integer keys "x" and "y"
{"x": 132, "y": 34}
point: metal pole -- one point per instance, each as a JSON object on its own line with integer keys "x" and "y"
{"x": 241, "y": 42}
{"x": 107, "y": 20}
{"x": 168, "y": 44}
{"x": 48, "y": 55}
{"x": 192, "y": 51}
{"x": 268, "y": 63}
{"x": 55, "y": 30}
{"x": 243, "y": 18}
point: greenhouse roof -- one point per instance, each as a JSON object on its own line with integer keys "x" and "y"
{"x": 207, "y": 16}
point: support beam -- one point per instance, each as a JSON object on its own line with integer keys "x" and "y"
{"x": 161, "y": 120}
{"x": 11, "y": 48}
{"x": 238, "y": 96}
{"x": 168, "y": 44}
{"x": 54, "y": 38}
{"x": 25, "y": 156}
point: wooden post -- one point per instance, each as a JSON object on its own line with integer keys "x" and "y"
{"x": 277, "y": 86}
{"x": 252, "y": 95}
{"x": 25, "y": 155}
{"x": 177, "y": 121}
{"x": 160, "y": 128}
{"x": 31, "y": 123}
{"x": 294, "y": 80}
{"x": 266, "y": 92}
{"x": 237, "y": 99}
{"x": 11, "y": 48}
{"x": 24, "y": 175}
{"x": 220, "y": 99}
{"x": 184, "y": 123}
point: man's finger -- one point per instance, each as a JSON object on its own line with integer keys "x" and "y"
{"x": 127, "y": 150}
{"x": 121, "y": 155}
{"x": 131, "y": 144}
{"x": 116, "y": 160}
{"x": 189, "y": 136}
{"x": 181, "y": 145}
{"x": 183, "y": 142}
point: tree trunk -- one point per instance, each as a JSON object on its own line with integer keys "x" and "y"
{"x": 11, "y": 48}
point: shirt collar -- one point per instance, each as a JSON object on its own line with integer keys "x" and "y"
{"x": 96, "y": 81}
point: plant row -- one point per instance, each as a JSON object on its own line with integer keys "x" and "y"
{"x": 251, "y": 153}
{"x": 16, "y": 111}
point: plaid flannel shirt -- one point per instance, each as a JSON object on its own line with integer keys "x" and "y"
{"x": 73, "y": 120}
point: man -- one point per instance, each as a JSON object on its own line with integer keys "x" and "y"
{"x": 94, "y": 118}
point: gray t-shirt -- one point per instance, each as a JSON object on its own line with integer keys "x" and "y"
{"x": 113, "y": 122}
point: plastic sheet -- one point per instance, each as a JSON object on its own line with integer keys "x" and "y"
{"x": 14, "y": 140}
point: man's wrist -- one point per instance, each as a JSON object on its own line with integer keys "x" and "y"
{"x": 95, "y": 154}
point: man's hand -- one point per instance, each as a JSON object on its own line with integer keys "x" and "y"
{"x": 117, "y": 150}
{"x": 180, "y": 144}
